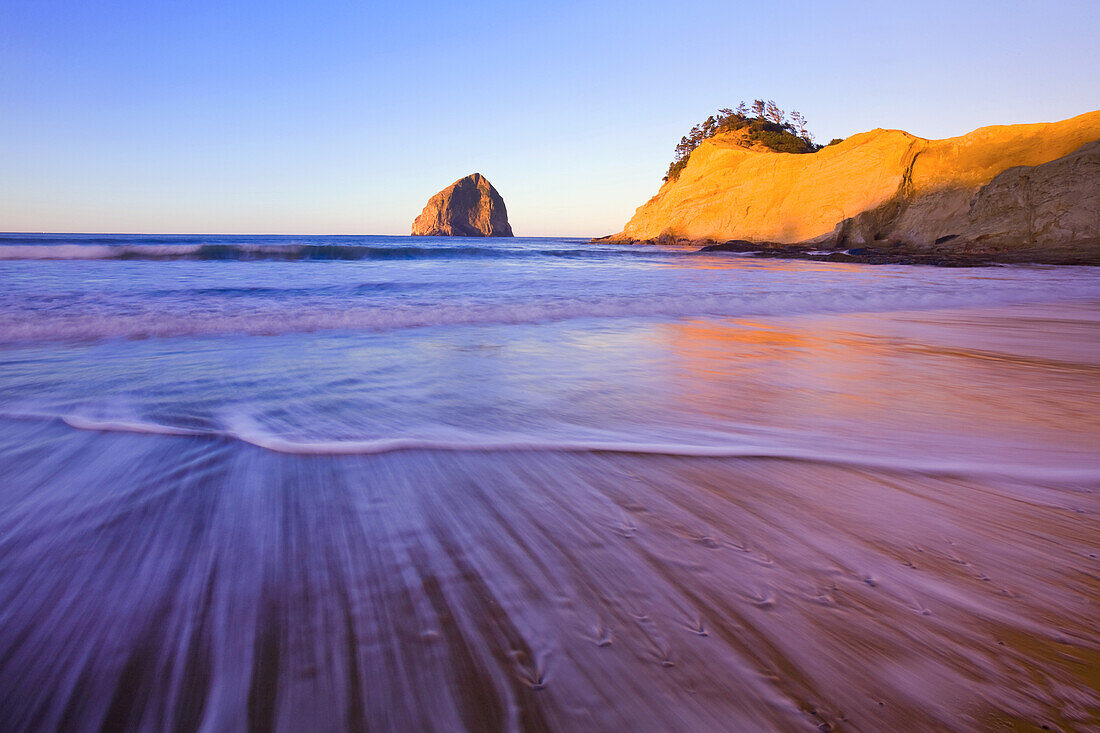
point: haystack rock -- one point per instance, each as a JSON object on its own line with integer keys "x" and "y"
{"x": 1000, "y": 187}
{"x": 469, "y": 207}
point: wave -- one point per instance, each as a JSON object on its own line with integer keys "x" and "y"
{"x": 685, "y": 450}
{"x": 272, "y": 317}
{"x": 113, "y": 239}
{"x": 128, "y": 426}
{"x": 285, "y": 252}
{"x": 245, "y": 430}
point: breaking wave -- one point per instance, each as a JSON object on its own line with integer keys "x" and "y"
{"x": 196, "y": 251}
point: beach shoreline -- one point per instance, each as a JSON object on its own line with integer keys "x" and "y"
{"x": 180, "y": 575}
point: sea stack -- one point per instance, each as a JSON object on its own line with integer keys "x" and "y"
{"x": 469, "y": 207}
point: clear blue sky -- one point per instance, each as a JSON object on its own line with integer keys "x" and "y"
{"x": 326, "y": 117}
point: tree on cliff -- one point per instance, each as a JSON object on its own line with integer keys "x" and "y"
{"x": 767, "y": 126}
{"x": 773, "y": 113}
{"x": 799, "y": 123}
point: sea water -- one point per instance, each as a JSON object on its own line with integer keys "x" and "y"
{"x": 352, "y": 482}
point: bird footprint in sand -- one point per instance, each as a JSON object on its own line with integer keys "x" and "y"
{"x": 530, "y": 671}
{"x": 601, "y": 636}
{"x": 696, "y": 627}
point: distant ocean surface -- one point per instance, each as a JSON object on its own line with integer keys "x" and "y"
{"x": 88, "y": 287}
{"x": 352, "y": 482}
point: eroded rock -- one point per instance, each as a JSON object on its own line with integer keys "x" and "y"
{"x": 469, "y": 207}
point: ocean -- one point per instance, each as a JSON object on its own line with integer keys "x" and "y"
{"x": 396, "y": 483}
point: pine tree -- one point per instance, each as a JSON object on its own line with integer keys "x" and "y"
{"x": 800, "y": 124}
{"x": 773, "y": 113}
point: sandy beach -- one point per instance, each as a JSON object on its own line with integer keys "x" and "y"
{"x": 933, "y": 564}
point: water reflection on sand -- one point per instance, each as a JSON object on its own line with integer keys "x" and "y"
{"x": 982, "y": 383}
{"x": 924, "y": 558}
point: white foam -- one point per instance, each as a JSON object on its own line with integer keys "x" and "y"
{"x": 94, "y": 251}
{"x": 244, "y": 429}
{"x": 126, "y": 426}
{"x": 888, "y": 463}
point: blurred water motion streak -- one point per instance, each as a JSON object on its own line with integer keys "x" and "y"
{"x": 219, "y": 586}
{"x": 656, "y": 494}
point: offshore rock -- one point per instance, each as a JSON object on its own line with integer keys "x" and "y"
{"x": 469, "y": 207}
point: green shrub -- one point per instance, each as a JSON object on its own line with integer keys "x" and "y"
{"x": 774, "y": 132}
{"x": 675, "y": 168}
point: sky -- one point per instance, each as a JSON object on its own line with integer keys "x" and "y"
{"x": 345, "y": 117}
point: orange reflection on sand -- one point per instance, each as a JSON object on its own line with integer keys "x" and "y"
{"x": 866, "y": 376}
{"x": 742, "y": 370}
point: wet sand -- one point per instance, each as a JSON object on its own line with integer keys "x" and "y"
{"x": 224, "y": 587}
{"x": 198, "y": 582}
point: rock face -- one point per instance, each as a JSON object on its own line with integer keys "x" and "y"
{"x": 1054, "y": 206}
{"x": 1004, "y": 186}
{"x": 1043, "y": 205}
{"x": 469, "y": 207}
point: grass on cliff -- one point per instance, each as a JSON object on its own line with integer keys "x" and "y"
{"x": 764, "y": 124}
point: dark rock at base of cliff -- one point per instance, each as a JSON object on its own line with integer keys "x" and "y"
{"x": 733, "y": 245}
{"x": 1070, "y": 253}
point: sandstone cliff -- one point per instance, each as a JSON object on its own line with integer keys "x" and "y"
{"x": 1052, "y": 207}
{"x": 887, "y": 186}
{"x": 469, "y": 207}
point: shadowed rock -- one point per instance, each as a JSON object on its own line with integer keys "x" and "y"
{"x": 469, "y": 207}
{"x": 1041, "y": 213}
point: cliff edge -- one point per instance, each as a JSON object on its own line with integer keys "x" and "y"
{"x": 469, "y": 207}
{"x": 1003, "y": 187}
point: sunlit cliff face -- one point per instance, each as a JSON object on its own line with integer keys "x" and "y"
{"x": 727, "y": 191}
